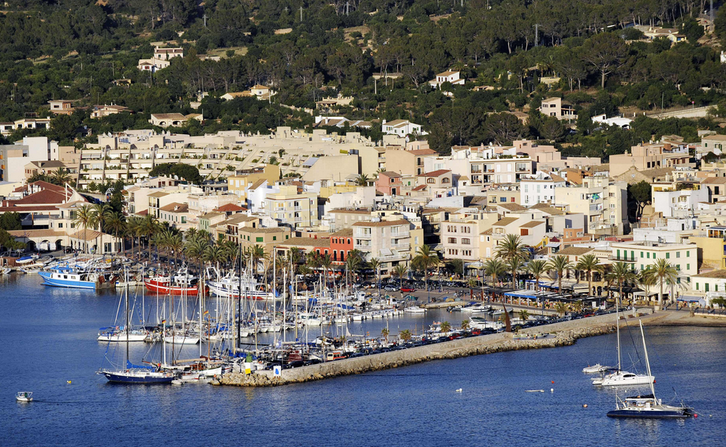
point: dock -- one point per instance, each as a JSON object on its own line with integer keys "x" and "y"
{"x": 560, "y": 334}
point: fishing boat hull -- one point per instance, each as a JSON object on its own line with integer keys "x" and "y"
{"x": 54, "y": 280}
{"x": 165, "y": 289}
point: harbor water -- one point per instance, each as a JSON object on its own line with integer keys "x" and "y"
{"x": 48, "y": 346}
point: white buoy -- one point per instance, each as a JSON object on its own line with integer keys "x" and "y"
{"x": 459, "y": 390}
{"x": 552, "y": 390}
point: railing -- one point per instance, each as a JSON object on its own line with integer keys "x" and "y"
{"x": 618, "y": 258}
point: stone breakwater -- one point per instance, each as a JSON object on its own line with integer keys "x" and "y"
{"x": 560, "y": 334}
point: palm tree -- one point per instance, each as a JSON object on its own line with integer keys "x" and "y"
{"x": 84, "y": 218}
{"x": 494, "y": 268}
{"x": 115, "y": 223}
{"x": 326, "y": 262}
{"x": 445, "y": 326}
{"x": 515, "y": 265}
{"x": 665, "y": 272}
{"x": 511, "y": 249}
{"x": 560, "y": 264}
{"x": 375, "y": 265}
{"x": 60, "y": 176}
{"x": 426, "y": 258}
{"x": 362, "y": 180}
{"x": 589, "y": 264}
{"x": 149, "y": 225}
{"x": 405, "y": 335}
{"x": 647, "y": 279}
{"x": 385, "y": 333}
{"x": 400, "y": 271}
{"x": 133, "y": 230}
{"x": 561, "y": 308}
{"x": 523, "y": 315}
{"x": 257, "y": 253}
{"x": 195, "y": 249}
{"x": 620, "y": 274}
{"x": 537, "y": 268}
{"x": 101, "y": 213}
{"x": 465, "y": 325}
{"x": 176, "y": 245}
{"x": 352, "y": 264}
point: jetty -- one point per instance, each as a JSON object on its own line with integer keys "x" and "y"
{"x": 559, "y": 334}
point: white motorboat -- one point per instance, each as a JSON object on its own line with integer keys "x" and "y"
{"x": 24, "y": 396}
{"x": 476, "y": 308}
{"x": 415, "y": 310}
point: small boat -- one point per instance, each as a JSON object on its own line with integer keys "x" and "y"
{"x": 24, "y": 396}
{"x": 597, "y": 368}
{"x": 534, "y": 391}
{"x": 648, "y": 406}
{"x": 415, "y": 310}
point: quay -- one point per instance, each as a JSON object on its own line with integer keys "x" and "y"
{"x": 559, "y": 334}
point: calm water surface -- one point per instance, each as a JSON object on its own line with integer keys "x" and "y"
{"x": 48, "y": 338}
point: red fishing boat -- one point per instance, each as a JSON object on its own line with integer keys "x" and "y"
{"x": 180, "y": 284}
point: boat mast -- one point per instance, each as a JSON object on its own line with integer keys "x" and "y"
{"x": 617, "y": 327}
{"x": 126, "y": 328}
{"x": 647, "y": 362}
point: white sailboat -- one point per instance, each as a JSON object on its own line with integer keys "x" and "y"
{"x": 620, "y": 377}
{"x": 648, "y": 406}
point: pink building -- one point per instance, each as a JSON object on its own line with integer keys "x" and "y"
{"x": 389, "y": 183}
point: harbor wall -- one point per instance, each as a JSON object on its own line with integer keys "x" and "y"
{"x": 561, "y": 334}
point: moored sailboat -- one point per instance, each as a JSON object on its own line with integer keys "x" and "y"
{"x": 648, "y": 406}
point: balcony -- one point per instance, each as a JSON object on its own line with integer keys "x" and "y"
{"x": 620, "y": 259}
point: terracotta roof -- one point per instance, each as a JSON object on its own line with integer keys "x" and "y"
{"x": 436, "y": 173}
{"x": 158, "y": 194}
{"x": 547, "y": 209}
{"x": 383, "y": 223}
{"x": 44, "y": 197}
{"x": 575, "y": 251}
{"x": 229, "y": 207}
{"x": 45, "y": 232}
{"x": 512, "y": 206}
{"x": 257, "y": 184}
{"x": 714, "y": 180}
{"x": 345, "y": 211}
{"x": 391, "y": 174}
{"x": 420, "y": 188}
{"x": 343, "y": 233}
{"x": 176, "y": 207}
{"x": 88, "y": 236}
{"x": 506, "y": 221}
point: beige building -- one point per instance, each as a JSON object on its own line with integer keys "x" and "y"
{"x": 387, "y": 241}
{"x": 177, "y": 215}
{"x": 407, "y": 162}
{"x": 289, "y": 207}
{"x": 173, "y": 119}
{"x": 603, "y": 202}
{"x": 557, "y": 108}
{"x": 648, "y": 156}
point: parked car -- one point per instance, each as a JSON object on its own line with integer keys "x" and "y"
{"x": 407, "y": 289}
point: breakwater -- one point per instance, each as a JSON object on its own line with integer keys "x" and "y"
{"x": 559, "y": 334}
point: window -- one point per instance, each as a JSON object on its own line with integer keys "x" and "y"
{"x": 688, "y": 266}
{"x": 641, "y": 255}
{"x": 430, "y": 180}
{"x": 466, "y": 241}
{"x": 668, "y": 255}
{"x": 274, "y": 238}
{"x": 678, "y": 254}
{"x": 697, "y": 286}
{"x": 688, "y": 254}
{"x": 259, "y": 239}
{"x": 452, "y": 240}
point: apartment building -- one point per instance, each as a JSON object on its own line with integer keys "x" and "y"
{"x": 300, "y": 210}
{"x": 540, "y": 188}
{"x": 387, "y": 241}
{"x": 649, "y": 156}
{"x": 602, "y": 201}
{"x": 643, "y": 255}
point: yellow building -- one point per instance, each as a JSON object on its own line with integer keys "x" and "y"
{"x": 289, "y": 207}
{"x": 238, "y": 183}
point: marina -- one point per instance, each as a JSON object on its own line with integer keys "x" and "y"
{"x": 76, "y": 411}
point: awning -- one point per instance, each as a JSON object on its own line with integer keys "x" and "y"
{"x": 692, "y": 299}
{"x": 554, "y": 244}
{"x": 522, "y": 294}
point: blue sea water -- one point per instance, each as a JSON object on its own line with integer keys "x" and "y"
{"x": 48, "y": 337}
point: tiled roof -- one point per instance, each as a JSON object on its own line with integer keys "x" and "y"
{"x": 575, "y": 251}
{"x": 436, "y": 173}
{"x": 383, "y": 223}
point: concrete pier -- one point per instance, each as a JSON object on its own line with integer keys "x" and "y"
{"x": 560, "y": 334}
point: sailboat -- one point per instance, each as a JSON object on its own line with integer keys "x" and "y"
{"x": 135, "y": 374}
{"x": 648, "y": 406}
{"x": 620, "y": 377}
